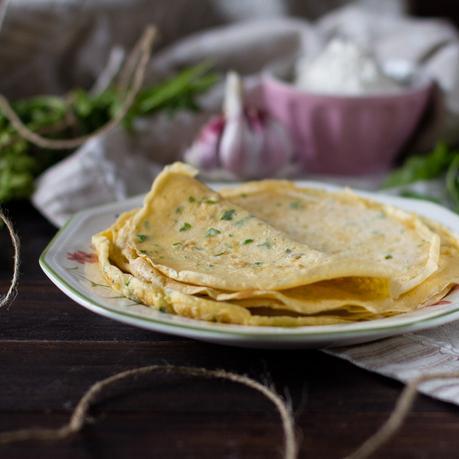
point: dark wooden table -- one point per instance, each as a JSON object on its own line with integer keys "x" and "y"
{"x": 52, "y": 350}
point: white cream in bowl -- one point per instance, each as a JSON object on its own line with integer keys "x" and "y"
{"x": 344, "y": 68}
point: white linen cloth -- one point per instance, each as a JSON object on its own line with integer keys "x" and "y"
{"x": 408, "y": 356}
{"x": 116, "y": 165}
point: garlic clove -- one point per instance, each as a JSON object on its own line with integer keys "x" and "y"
{"x": 245, "y": 141}
{"x": 240, "y": 148}
{"x": 203, "y": 154}
{"x": 253, "y": 144}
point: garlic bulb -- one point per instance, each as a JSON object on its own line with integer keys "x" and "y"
{"x": 244, "y": 141}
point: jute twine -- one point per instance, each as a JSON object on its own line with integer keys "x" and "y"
{"x": 130, "y": 80}
{"x": 80, "y": 414}
{"x": 400, "y": 412}
{"x": 12, "y": 290}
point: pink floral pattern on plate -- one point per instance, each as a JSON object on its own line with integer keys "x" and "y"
{"x": 82, "y": 257}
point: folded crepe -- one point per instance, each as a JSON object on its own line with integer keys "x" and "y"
{"x": 270, "y": 253}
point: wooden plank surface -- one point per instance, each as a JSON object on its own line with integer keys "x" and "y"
{"x": 51, "y": 350}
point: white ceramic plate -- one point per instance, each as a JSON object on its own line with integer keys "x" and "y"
{"x": 70, "y": 263}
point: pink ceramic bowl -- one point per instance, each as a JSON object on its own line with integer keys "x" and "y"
{"x": 345, "y": 134}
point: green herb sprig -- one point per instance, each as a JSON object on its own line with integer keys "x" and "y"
{"x": 442, "y": 162}
{"x": 82, "y": 113}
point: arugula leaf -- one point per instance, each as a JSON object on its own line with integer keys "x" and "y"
{"x": 178, "y": 93}
{"x": 426, "y": 167}
{"x": 441, "y": 162}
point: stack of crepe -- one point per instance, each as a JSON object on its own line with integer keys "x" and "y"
{"x": 270, "y": 253}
